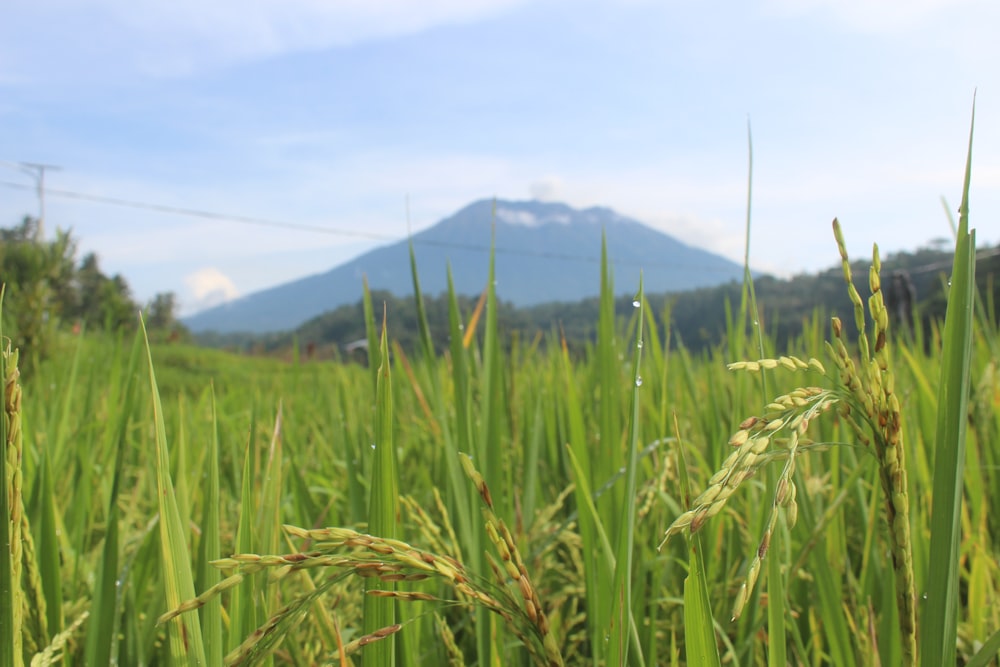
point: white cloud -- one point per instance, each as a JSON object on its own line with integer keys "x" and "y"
{"x": 210, "y": 287}
{"x": 174, "y": 38}
{"x": 547, "y": 188}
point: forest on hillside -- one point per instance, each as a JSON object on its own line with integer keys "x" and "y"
{"x": 914, "y": 286}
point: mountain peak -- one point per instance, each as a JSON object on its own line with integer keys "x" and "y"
{"x": 545, "y": 251}
{"x": 536, "y": 213}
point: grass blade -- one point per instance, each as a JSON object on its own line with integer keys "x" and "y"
{"x": 621, "y": 614}
{"x": 243, "y": 603}
{"x": 380, "y": 612}
{"x": 210, "y": 548}
{"x": 699, "y": 624}
{"x": 426, "y": 341}
{"x": 186, "y": 646}
{"x": 105, "y": 608}
{"x": 939, "y": 616}
{"x": 987, "y": 653}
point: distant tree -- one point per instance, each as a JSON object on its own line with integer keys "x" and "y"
{"x": 161, "y": 317}
{"x": 161, "y": 313}
{"x": 45, "y": 288}
{"x": 38, "y": 279}
{"x": 102, "y": 302}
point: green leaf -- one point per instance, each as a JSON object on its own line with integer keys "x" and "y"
{"x": 243, "y": 607}
{"x": 939, "y": 606}
{"x": 621, "y": 610}
{"x": 186, "y": 646}
{"x": 699, "y": 623}
{"x": 210, "y": 548}
{"x": 380, "y": 612}
{"x": 101, "y": 626}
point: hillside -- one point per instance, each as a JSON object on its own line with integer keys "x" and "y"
{"x": 545, "y": 252}
{"x": 696, "y": 317}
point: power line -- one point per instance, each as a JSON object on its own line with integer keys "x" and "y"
{"x": 339, "y": 231}
{"x": 199, "y": 213}
{"x": 37, "y": 171}
{"x": 336, "y": 231}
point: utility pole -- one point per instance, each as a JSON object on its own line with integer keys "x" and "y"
{"x": 37, "y": 170}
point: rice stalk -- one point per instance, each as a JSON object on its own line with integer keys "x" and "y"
{"x": 388, "y": 561}
{"x": 11, "y": 510}
{"x": 872, "y": 409}
{"x": 53, "y": 653}
{"x": 36, "y": 630}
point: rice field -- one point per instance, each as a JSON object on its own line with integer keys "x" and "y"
{"x": 511, "y": 503}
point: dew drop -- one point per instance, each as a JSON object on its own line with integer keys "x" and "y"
{"x": 639, "y": 344}
{"x": 638, "y": 382}
{"x": 635, "y": 303}
{"x": 373, "y": 445}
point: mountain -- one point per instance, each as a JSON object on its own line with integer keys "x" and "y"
{"x": 544, "y": 252}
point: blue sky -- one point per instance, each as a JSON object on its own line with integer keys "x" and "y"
{"x": 334, "y": 113}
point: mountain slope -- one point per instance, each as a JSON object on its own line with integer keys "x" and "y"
{"x": 544, "y": 252}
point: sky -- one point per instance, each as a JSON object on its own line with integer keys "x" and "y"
{"x": 213, "y": 149}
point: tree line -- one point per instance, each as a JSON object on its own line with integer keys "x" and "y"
{"x": 46, "y": 290}
{"x": 914, "y": 286}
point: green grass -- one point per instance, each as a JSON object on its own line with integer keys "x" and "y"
{"x": 187, "y": 506}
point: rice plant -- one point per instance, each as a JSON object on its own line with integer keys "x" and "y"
{"x": 505, "y": 502}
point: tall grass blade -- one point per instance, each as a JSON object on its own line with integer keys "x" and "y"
{"x": 987, "y": 653}
{"x": 699, "y": 623}
{"x": 458, "y": 488}
{"x": 776, "y": 636}
{"x": 426, "y": 342}
{"x": 269, "y": 509}
{"x": 103, "y": 621}
{"x": 371, "y": 331}
{"x": 243, "y": 606}
{"x": 492, "y": 428}
{"x": 939, "y": 606}
{"x": 380, "y": 612}
{"x": 490, "y": 447}
{"x": 48, "y": 546}
{"x": 621, "y": 610}
{"x": 210, "y": 548}
{"x": 608, "y": 374}
{"x": 598, "y": 561}
{"x": 186, "y": 645}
